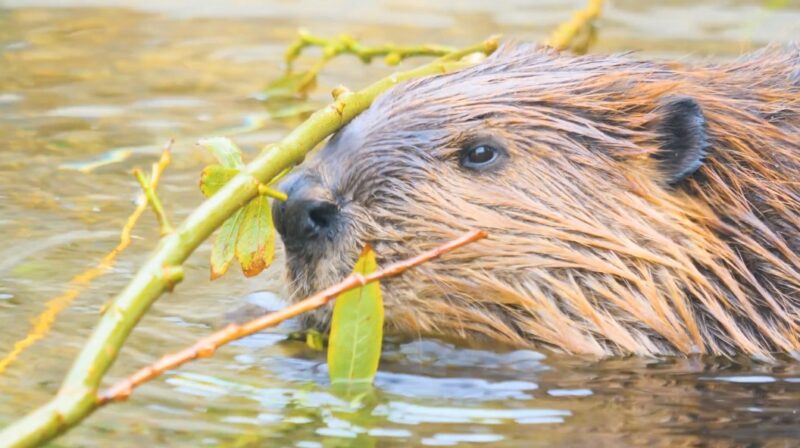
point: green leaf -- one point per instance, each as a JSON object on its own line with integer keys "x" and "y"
{"x": 354, "y": 346}
{"x": 215, "y": 177}
{"x": 256, "y": 242}
{"x": 228, "y": 154}
{"x": 315, "y": 340}
{"x": 249, "y": 234}
{"x": 225, "y": 245}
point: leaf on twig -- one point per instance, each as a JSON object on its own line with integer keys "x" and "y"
{"x": 228, "y": 154}
{"x": 255, "y": 245}
{"x": 354, "y": 346}
{"x": 225, "y": 245}
{"x": 215, "y": 177}
{"x": 249, "y": 234}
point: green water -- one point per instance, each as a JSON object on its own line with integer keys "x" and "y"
{"x": 81, "y": 78}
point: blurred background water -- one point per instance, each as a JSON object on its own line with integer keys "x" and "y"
{"x": 85, "y": 81}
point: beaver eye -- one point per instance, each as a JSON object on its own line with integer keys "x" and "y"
{"x": 479, "y": 156}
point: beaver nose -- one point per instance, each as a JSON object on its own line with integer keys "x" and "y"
{"x": 307, "y": 213}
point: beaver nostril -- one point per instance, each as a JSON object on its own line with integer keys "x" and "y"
{"x": 300, "y": 220}
{"x": 321, "y": 214}
{"x": 308, "y": 212}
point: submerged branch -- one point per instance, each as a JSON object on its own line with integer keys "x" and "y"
{"x": 208, "y": 345}
{"x": 77, "y": 396}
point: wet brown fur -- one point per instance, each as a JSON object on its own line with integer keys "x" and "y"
{"x": 592, "y": 250}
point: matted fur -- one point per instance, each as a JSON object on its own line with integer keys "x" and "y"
{"x": 591, "y": 250}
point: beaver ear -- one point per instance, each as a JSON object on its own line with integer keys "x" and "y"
{"x": 681, "y": 130}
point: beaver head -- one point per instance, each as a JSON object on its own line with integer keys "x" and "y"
{"x": 632, "y": 206}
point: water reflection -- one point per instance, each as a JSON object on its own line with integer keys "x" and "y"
{"x": 88, "y": 92}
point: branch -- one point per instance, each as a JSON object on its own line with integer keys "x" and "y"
{"x": 272, "y": 193}
{"x": 566, "y": 35}
{"x": 77, "y": 396}
{"x": 155, "y": 203}
{"x": 297, "y": 85}
{"x": 208, "y": 345}
{"x": 345, "y": 44}
{"x": 43, "y": 322}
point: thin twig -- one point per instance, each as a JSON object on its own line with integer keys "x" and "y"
{"x": 209, "y": 344}
{"x": 268, "y": 191}
{"x": 565, "y": 35}
{"x": 154, "y": 201}
{"x": 43, "y": 322}
{"x": 345, "y": 44}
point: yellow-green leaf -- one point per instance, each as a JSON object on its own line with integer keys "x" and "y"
{"x": 354, "y": 346}
{"x": 215, "y": 177}
{"x": 225, "y": 245}
{"x": 315, "y": 340}
{"x": 256, "y": 242}
{"x": 228, "y": 154}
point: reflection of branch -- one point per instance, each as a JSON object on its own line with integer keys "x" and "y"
{"x": 43, "y": 322}
{"x": 208, "y": 345}
{"x": 77, "y": 396}
{"x": 155, "y": 203}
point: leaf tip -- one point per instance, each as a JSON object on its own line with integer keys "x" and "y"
{"x": 253, "y": 268}
{"x": 366, "y": 250}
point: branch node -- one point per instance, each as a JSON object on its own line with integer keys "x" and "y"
{"x": 266, "y": 190}
{"x": 338, "y": 91}
{"x": 491, "y": 44}
{"x": 392, "y": 59}
{"x": 172, "y": 276}
{"x": 360, "y": 279}
{"x": 206, "y": 350}
{"x": 124, "y": 392}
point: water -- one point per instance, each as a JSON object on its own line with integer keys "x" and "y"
{"x": 84, "y": 83}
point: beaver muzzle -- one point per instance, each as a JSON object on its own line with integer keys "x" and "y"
{"x": 308, "y": 215}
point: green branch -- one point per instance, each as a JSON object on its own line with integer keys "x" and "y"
{"x": 296, "y": 85}
{"x": 77, "y": 397}
{"x": 345, "y": 44}
{"x": 154, "y": 201}
{"x": 265, "y": 190}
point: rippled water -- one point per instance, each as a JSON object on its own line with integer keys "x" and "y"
{"x": 96, "y": 80}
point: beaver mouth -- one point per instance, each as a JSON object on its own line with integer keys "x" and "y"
{"x": 303, "y": 272}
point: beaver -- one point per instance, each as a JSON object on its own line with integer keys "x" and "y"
{"x": 633, "y": 206}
